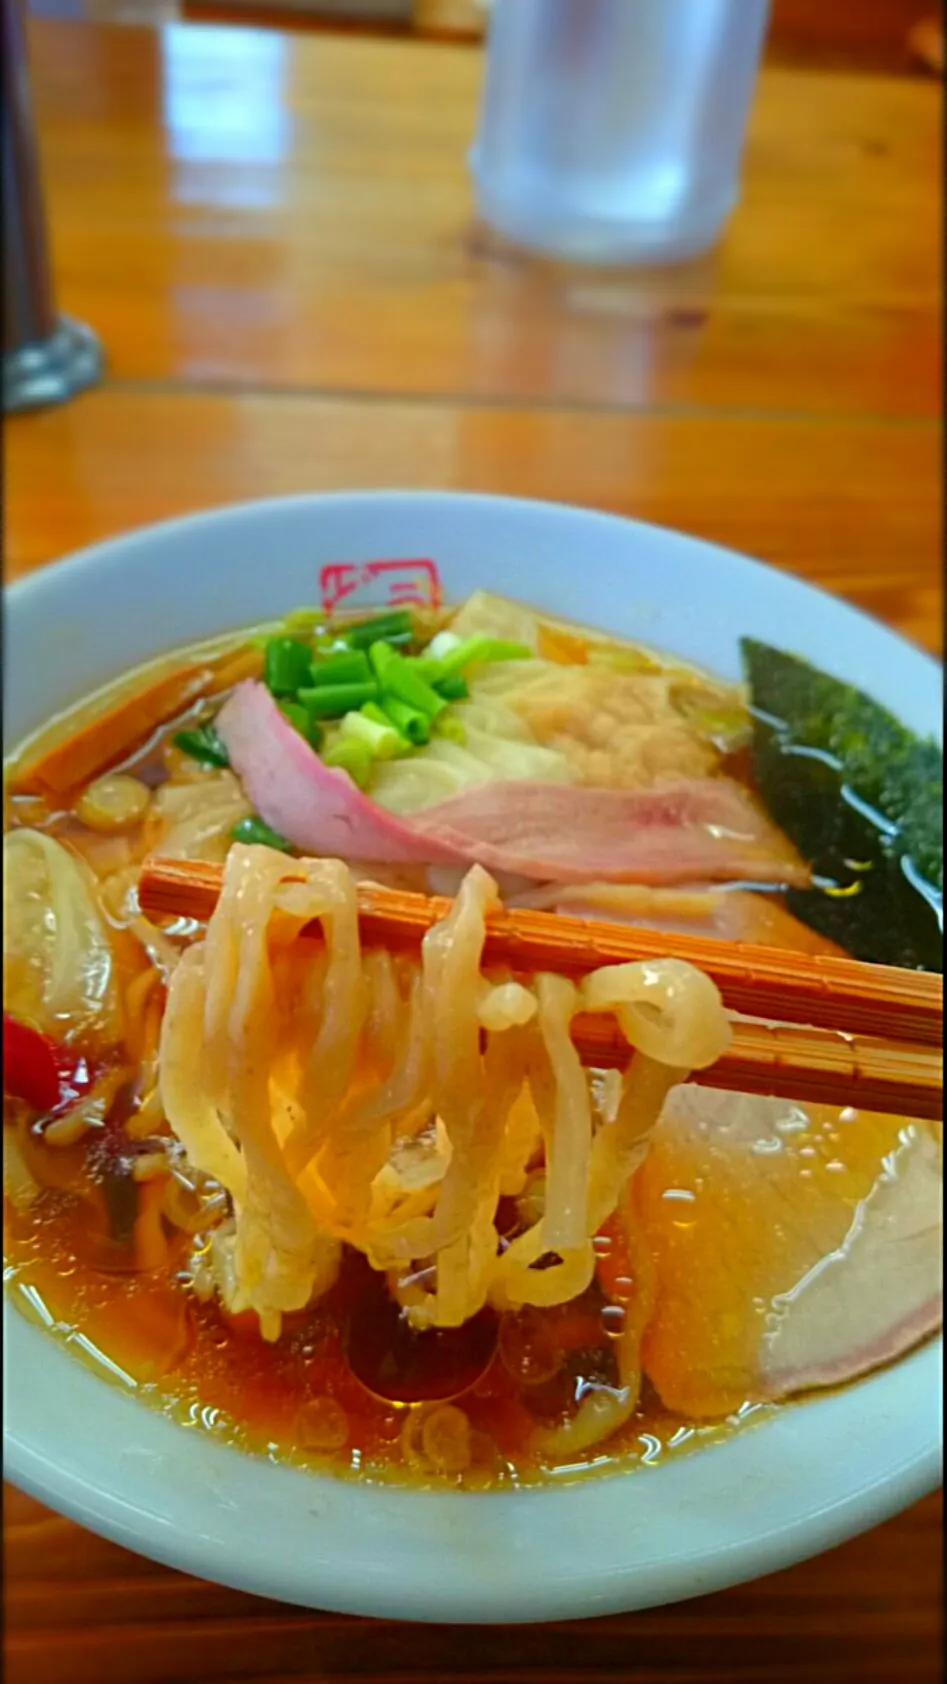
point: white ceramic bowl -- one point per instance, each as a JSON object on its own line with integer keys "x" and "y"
{"x": 799, "y": 1483}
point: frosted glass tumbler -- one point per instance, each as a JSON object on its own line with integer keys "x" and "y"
{"x": 611, "y": 130}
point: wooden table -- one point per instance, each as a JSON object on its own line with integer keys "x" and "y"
{"x": 273, "y": 235}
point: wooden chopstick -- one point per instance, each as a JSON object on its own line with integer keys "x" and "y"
{"x": 821, "y": 1066}
{"x": 872, "y": 1032}
{"x": 766, "y": 982}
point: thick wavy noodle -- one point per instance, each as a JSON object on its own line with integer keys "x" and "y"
{"x": 363, "y": 1098}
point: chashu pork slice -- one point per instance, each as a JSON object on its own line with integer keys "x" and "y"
{"x": 794, "y": 1247}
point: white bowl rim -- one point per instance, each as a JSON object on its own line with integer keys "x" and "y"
{"x": 211, "y": 515}
{"x": 730, "y": 1512}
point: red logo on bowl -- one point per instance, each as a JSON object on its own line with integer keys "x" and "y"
{"x": 379, "y": 584}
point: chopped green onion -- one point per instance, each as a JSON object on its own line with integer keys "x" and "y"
{"x": 383, "y": 627}
{"x": 299, "y": 719}
{"x": 403, "y": 642}
{"x": 202, "y": 743}
{"x": 381, "y": 656}
{"x": 285, "y": 665}
{"x": 398, "y": 678}
{"x": 254, "y": 831}
{"x": 347, "y": 755}
{"x": 424, "y": 667}
{"x": 441, "y": 644}
{"x": 349, "y": 666}
{"x": 306, "y": 620}
{"x": 481, "y": 648}
{"x": 414, "y": 726}
{"x": 372, "y": 710}
{"x": 450, "y": 728}
{"x": 331, "y": 701}
{"x": 382, "y": 740}
{"x": 453, "y": 688}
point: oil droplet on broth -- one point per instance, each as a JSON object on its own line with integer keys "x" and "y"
{"x": 623, "y": 1288}
{"x": 681, "y": 1198}
{"x": 322, "y": 1425}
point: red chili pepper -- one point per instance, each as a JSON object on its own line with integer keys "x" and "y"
{"x": 35, "y": 1068}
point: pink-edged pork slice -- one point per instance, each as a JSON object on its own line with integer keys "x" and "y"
{"x": 707, "y": 829}
{"x": 878, "y": 1293}
{"x": 318, "y": 809}
{"x": 794, "y": 1247}
{"x": 699, "y": 830}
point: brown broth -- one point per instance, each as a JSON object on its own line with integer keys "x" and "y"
{"x": 72, "y": 1266}
{"x": 148, "y": 1333}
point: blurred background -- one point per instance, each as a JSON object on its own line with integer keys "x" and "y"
{"x": 892, "y": 35}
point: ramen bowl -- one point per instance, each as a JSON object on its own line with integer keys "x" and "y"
{"x": 800, "y": 1479}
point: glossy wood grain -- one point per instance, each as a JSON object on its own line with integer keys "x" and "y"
{"x": 273, "y": 236}
{"x": 80, "y": 1610}
{"x": 850, "y": 34}
{"x": 238, "y": 207}
{"x": 847, "y": 34}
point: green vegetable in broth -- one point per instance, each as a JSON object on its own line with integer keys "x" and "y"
{"x": 379, "y": 687}
{"x": 379, "y": 716}
{"x": 860, "y": 797}
{"x": 300, "y": 721}
{"x": 400, "y": 678}
{"x": 863, "y": 900}
{"x": 387, "y": 628}
{"x": 331, "y": 701}
{"x": 886, "y": 765}
{"x": 202, "y": 744}
{"x": 349, "y": 755}
{"x": 253, "y": 831}
{"x": 413, "y": 725}
{"x": 453, "y": 688}
{"x": 378, "y": 735}
{"x": 345, "y": 667}
{"x": 285, "y": 665}
{"x": 473, "y": 651}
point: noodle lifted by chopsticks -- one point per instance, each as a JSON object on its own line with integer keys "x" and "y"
{"x": 341, "y": 1096}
